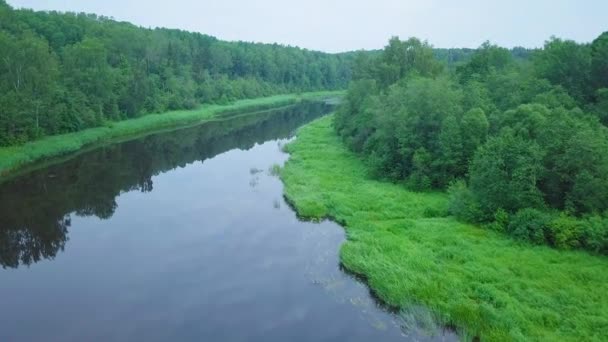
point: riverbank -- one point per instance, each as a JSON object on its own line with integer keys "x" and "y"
{"x": 14, "y": 158}
{"x": 412, "y": 253}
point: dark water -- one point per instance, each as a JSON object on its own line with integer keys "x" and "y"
{"x": 181, "y": 236}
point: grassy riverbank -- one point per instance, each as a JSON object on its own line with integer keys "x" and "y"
{"x": 15, "y": 157}
{"x": 412, "y": 254}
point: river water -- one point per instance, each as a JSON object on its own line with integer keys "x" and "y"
{"x": 180, "y": 236}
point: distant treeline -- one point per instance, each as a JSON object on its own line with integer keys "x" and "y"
{"x": 453, "y": 57}
{"x": 64, "y": 72}
{"x": 517, "y": 136}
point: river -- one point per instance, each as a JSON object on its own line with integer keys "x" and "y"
{"x": 180, "y": 236}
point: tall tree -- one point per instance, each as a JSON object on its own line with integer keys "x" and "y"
{"x": 566, "y": 63}
{"x": 599, "y": 61}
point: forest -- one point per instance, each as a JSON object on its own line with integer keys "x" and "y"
{"x": 65, "y": 72}
{"x": 459, "y": 193}
{"x": 517, "y": 136}
{"x": 518, "y": 140}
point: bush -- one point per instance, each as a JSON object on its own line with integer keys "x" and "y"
{"x": 559, "y": 231}
{"x": 529, "y": 225}
{"x": 418, "y": 182}
{"x": 501, "y": 221}
{"x": 463, "y": 204}
{"x": 564, "y": 232}
{"x": 595, "y": 234}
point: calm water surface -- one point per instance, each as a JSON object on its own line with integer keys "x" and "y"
{"x": 180, "y": 236}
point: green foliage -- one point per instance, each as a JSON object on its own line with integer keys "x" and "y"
{"x": 479, "y": 281}
{"x": 501, "y": 220}
{"x": 560, "y": 230}
{"x": 504, "y": 174}
{"x": 462, "y": 203}
{"x": 65, "y": 72}
{"x": 350, "y": 120}
{"x": 526, "y": 121}
{"x": 565, "y": 232}
{"x": 566, "y": 63}
{"x": 486, "y": 60}
{"x": 584, "y": 166}
{"x": 421, "y": 167}
{"x": 524, "y": 134}
{"x": 477, "y": 95}
{"x": 601, "y": 106}
{"x": 405, "y": 121}
{"x": 474, "y": 132}
{"x": 599, "y": 61}
{"x": 402, "y": 59}
{"x": 595, "y": 234}
{"x": 529, "y": 224}
{"x": 555, "y": 98}
{"x": 452, "y": 155}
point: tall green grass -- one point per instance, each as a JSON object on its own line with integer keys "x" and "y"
{"x": 15, "y": 157}
{"x": 412, "y": 253}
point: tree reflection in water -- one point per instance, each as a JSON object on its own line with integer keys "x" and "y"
{"x": 36, "y": 208}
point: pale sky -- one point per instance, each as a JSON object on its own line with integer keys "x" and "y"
{"x": 343, "y": 25}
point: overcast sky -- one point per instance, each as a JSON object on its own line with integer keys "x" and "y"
{"x": 341, "y": 25}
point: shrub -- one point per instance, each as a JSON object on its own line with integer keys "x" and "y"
{"x": 595, "y": 234}
{"x": 463, "y": 204}
{"x": 529, "y": 225}
{"x": 418, "y": 182}
{"x": 501, "y": 221}
{"x": 564, "y": 232}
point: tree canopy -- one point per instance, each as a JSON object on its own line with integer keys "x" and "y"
{"x": 63, "y": 72}
{"x": 516, "y": 137}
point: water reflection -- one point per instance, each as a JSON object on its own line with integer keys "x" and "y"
{"x": 36, "y": 208}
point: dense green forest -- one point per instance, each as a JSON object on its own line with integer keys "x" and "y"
{"x": 518, "y": 138}
{"x": 64, "y": 72}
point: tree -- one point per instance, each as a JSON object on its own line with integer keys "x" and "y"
{"x": 477, "y": 95}
{"x": 29, "y": 72}
{"x": 63, "y": 72}
{"x": 420, "y": 179}
{"x": 504, "y": 174}
{"x": 526, "y": 121}
{"x": 585, "y": 167}
{"x": 86, "y": 70}
{"x": 599, "y": 61}
{"x": 523, "y": 133}
{"x": 601, "y": 105}
{"x": 451, "y": 163}
{"x": 487, "y": 59}
{"x": 403, "y": 58}
{"x": 566, "y": 63}
{"x": 353, "y": 118}
{"x": 474, "y": 130}
{"x": 426, "y": 102}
